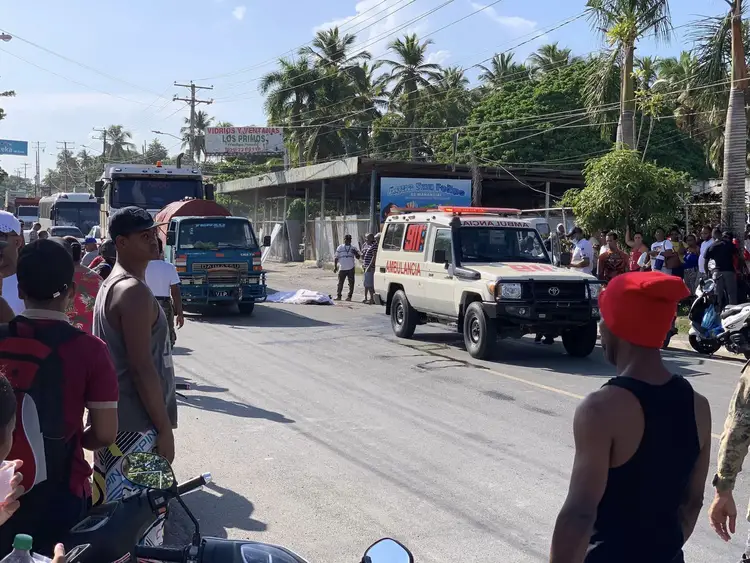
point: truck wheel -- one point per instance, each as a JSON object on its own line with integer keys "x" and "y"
{"x": 579, "y": 342}
{"x": 480, "y": 332}
{"x": 246, "y": 307}
{"x": 403, "y": 316}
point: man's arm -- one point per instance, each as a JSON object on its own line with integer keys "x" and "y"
{"x": 693, "y": 501}
{"x": 137, "y": 315}
{"x": 600, "y": 267}
{"x": 587, "y": 253}
{"x": 629, "y": 241}
{"x": 736, "y": 436}
{"x": 174, "y": 290}
{"x": 102, "y": 394}
{"x": 588, "y": 481}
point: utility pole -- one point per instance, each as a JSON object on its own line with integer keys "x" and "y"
{"x": 65, "y": 149}
{"x": 25, "y": 167}
{"x": 193, "y": 102}
{"x": 37, "y": 178}
{"x": 103, "y": 139}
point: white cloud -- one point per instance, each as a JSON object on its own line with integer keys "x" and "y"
{"x": 438, "y": 57}
{"x": 239, "y": 13}
{"x": 513, "y": 22}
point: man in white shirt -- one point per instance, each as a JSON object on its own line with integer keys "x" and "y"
{"x": 12, "y": 234}
{"x": 164, "y": 282}
{"x": 343, "y": 263}
{"x": 661, "y": 249}
{"x": 583, "y": 252}
{"x": 707, "y": 242}
{"x": 92, "y": 251}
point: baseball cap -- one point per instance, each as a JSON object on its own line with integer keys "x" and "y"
{"x": 129, "y": 220}
{"x": 575, "y": 230}
{"x": 89, "y": 240}
{"x": 45, "y": 269}
{"x": 626, "y": 297}
{"x": 9, "y": 223}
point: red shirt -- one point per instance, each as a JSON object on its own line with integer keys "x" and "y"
{"x": 90, "y": 382}
{"x": 95, "y": 262}
{"x": 81, "y": 308}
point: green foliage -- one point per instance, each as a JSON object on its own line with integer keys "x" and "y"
{"x": 620, "y": 189}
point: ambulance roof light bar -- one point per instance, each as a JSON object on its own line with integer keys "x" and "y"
{"x": 479, "y": 210}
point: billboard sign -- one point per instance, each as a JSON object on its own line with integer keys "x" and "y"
{"x": 422, "y": 193}
{"x": 18, "y": 148}
{"x": 244, "y": 140}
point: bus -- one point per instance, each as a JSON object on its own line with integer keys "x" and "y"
{"x": 150, "y": 187}
{"x": 69, "y": 209}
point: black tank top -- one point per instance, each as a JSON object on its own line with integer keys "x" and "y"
{"x": 637, "y": 518}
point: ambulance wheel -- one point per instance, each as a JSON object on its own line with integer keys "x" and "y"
{"x": 579, "y": 342}
{"x": 403, "y": 316}
{"x": 480, "y": 332}
{"x": 246, "y": 307}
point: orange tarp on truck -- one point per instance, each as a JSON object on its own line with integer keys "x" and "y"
{"x": 189, "y": 208}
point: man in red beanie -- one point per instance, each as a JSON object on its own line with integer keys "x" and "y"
{"x": 643, "y": 441}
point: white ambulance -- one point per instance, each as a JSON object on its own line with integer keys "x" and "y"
{"x": 486, "y": 270}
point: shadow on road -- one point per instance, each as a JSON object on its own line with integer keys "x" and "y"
{"x": 181, "y": 351}
{"x": 198, "y": 386}
{"x": 233, "y": 408}
{"x": 264, "y": 316}
{"x": 217, "y": 511}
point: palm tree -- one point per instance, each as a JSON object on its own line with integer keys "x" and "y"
{"x": 118, "y": 143}
{"x": 224, "y": 124}
{"x": 369, "y": 100}
{"x": 290, "y": 90}
{"x": 330, "y": 49}
{"x": 202, "y": 121}
{"x": 622, "y": 23}
{"x": 680, "y": 75}
{"x": 409, "y": 75}
{"x": 453, "y": 78}
{"x": 549, "y": 57}
{"x": 501, "y": 69}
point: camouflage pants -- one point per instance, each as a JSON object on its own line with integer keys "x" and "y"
{"x": 168, "y": 307}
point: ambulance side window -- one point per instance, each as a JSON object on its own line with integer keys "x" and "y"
{"x": 443, "y": 241}
{"x": 394, "y": 234}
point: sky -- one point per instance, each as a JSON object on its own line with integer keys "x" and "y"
{"x": 87, "y": 64}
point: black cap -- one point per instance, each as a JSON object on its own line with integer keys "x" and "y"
{"x": 45, "y": 270}
{"x": 575, "y": 230}
{"x": 129, "y": 220}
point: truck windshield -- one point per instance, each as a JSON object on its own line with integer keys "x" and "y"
{"x": 216, "y": 233}
{"x": 27, "y": 211}
{"x": 83, "y": 215}
{"x": 154, "y": 193}
{"x": 502, "y": 244}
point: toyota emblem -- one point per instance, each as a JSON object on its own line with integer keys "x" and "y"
{"x": 554, "y": 291}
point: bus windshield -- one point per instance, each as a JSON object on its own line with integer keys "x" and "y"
{"x": 216, "y": 233}
{"x": 27, "y": 211}
{"x": 503, "y": 244}
{"x": 154, "y": 193}
{"x": 83, "y": 215}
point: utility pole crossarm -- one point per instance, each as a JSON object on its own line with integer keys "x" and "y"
{"x": 192, "y": 101}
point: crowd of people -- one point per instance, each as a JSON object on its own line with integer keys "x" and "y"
{"x": 84, "y": 332}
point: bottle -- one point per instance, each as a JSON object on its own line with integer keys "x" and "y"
{"x": 21, "y": 553}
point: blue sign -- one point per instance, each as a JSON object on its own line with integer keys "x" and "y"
{"x": 18, "y": 148}
{"x": 422, "y": 193}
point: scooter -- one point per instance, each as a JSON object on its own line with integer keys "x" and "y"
{"x": 113, "y": 532}
{"x": 729, "y": 328}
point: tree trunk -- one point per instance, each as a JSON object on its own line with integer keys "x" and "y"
{"x": 735, "y": 135}
{"x": 626, "y": 125}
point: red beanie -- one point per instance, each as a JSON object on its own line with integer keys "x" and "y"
{"x": 639, "y": 306}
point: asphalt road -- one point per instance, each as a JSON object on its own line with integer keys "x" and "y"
{"x": 324, "y": 432}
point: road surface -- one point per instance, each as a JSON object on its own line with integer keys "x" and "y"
{"x": 323, "y": 433}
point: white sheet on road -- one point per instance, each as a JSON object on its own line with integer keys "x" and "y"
{"x": 300, "y": 297}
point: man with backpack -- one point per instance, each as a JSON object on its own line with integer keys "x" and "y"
{"x": 11, "y": 235}
{"x": 56, "y": 371}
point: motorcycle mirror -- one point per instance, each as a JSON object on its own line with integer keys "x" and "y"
{"x": 387, "y": 550}
{"x": 148, "y": 470}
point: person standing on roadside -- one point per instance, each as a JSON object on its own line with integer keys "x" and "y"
{"x": 720, "y": 263}
{"x": 344, "y": 263}
{"x": 92, "y": 251}
{"x": 613, "y": 261}
{"x": 369, "y": 254}
{"x": 645, "y": 418}
{"x": 134, "y": 326}
{"x": 164, "y": 282}
{"x": 706, "y": 242}
{"x": 34, "y": 232}
{"x": 12, "y": 235}
{"x": 637, "y": 248}
{"x": 81, "y": 307}
{"x": 583, "y": 252}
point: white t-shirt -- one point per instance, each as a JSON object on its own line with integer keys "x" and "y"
{"x": 660, "y": 247}
{"x": 702, "y": 258}
{"x": 88, "y": 257}
{"x": 584, "y": 249}
{"x": 346, "y": 255}
{"x": 10, "y": 294}
{"x": 160, "y": 277}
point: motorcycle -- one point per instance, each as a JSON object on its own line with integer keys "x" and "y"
{"x": 711, "y": 328}
{"x": 112, "y": 532}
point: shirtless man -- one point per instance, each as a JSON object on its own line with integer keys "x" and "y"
{"x": 129, "y": 319}
{"x": 643, "y": 441}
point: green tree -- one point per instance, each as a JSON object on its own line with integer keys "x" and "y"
{"x": 623, "y": 22}
{"x": 411, "y": 73}
{"x": 156, "y": 151}
{"x": 621, "y": 189}
{"x": 202, "y": 121}
{"x": 549, "y": 57}
{"x": 501, "y": 70}
{"x": 119, "y": 143}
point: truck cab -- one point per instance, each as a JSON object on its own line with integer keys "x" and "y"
{"x": 218, "y": 259}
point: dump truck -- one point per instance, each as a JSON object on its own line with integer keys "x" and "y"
{"x": 217, "y": 256}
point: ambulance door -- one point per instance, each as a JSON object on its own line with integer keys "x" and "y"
{"x": 440, "y": 286}
{"x": 396, "y": 266}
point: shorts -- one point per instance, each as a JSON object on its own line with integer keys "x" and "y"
{"x": 110, "y": 484}
{"x": 369, "y": 280}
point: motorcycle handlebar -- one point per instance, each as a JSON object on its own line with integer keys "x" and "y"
{"x": 194, "y": 483}
{"x": 160, "y": 553}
